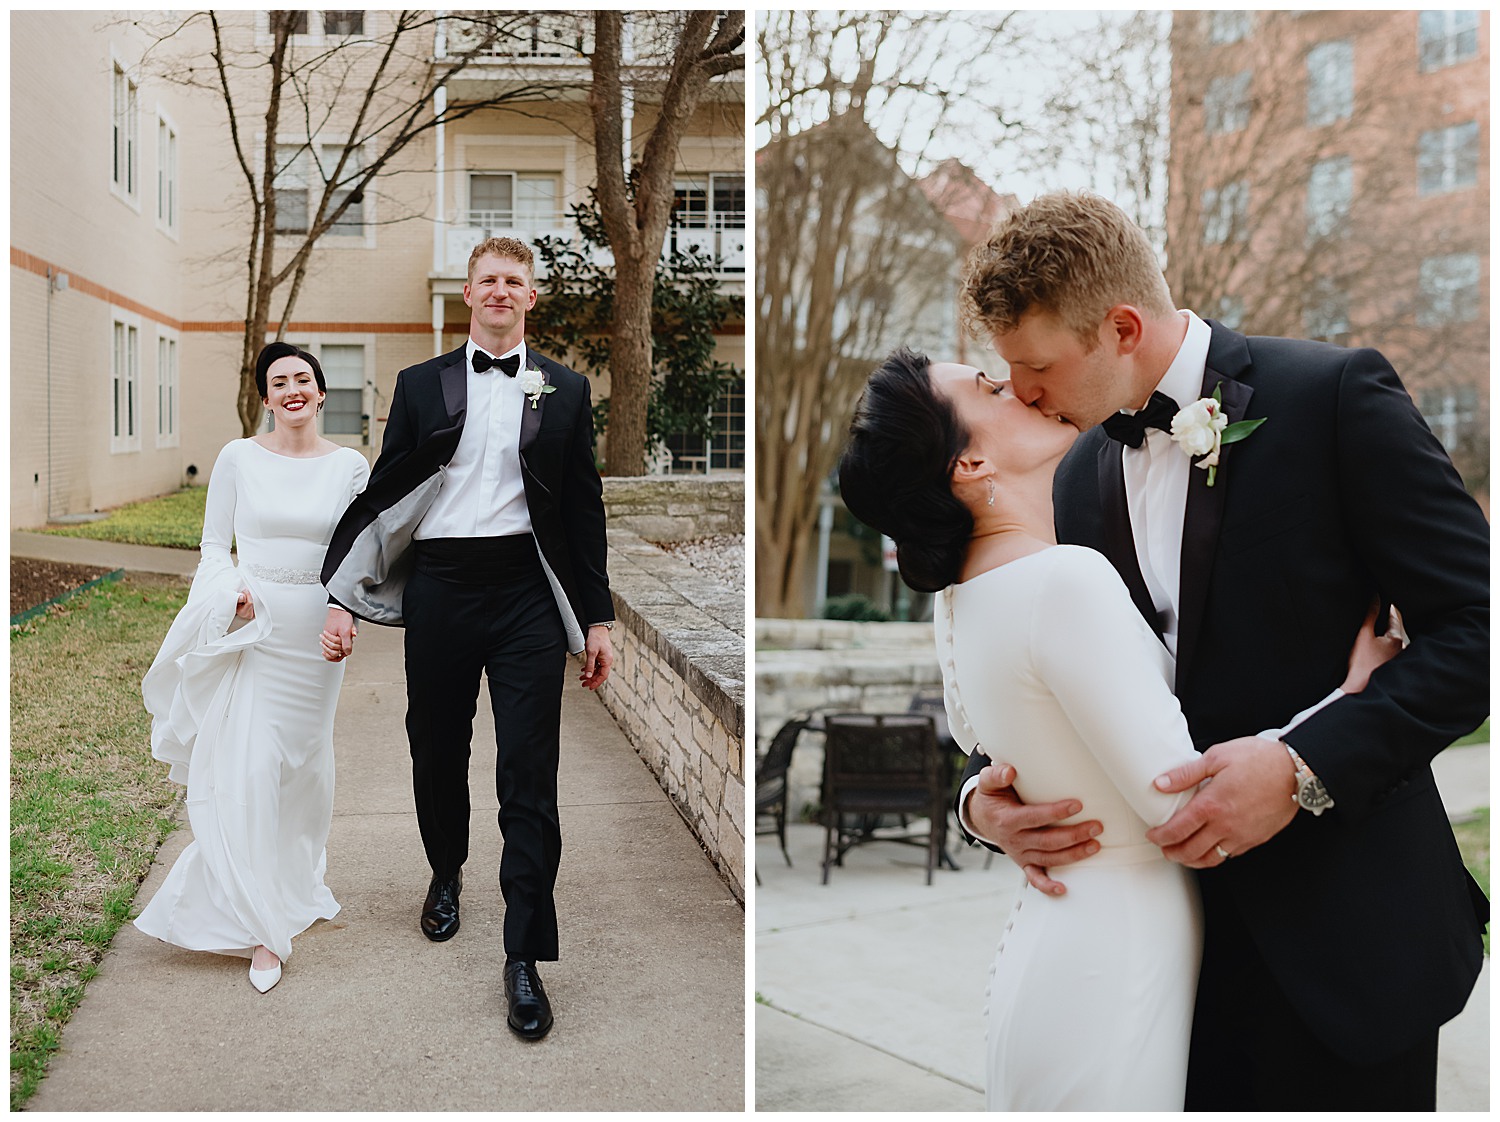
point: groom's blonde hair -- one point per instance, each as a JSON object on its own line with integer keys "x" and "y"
{"x": 1074, "y": 255}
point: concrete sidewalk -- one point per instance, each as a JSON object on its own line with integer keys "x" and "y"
{"x": 649, "y": 994}
{"x": 870, "y": 989}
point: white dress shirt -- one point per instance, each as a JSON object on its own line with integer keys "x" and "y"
{"x": 484, "y": 495}
{"x": 1156, "y": 484}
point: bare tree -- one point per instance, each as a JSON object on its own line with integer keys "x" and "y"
{"x": 851, "y": 258}
{"x": 1293, "y": 206}
{"x": 375, "y": 90}
{"x": 636, "y": 203}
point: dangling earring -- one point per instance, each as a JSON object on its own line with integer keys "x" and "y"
{"x": 991, "y": 501}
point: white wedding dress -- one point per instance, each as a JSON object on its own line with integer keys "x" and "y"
{"x": 243, "y": 711}
{"x": 1049, "y": 666}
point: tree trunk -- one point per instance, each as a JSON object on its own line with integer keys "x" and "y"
{"x": 629, "y": 367}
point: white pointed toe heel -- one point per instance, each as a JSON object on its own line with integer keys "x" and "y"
{"x": 263, "y": 980}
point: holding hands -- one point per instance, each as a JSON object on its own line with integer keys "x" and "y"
{"x": 338, "y": 634}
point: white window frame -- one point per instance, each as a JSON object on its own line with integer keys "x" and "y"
{"x": 1325, "y": 313}
{"x": 1229, "y": 25}
{"x": 1226, "y": 104}
{"x": 331, "y": 239}
{"x": 168, "y": 387}
{"x": 1329, "y": 62}
{"x": 1449, "y": 284}
{"x": 1451, "y": 150}
{"x": 168, "y": 176}
{"x": 125, "y": 150}
{"x": 313, "y": 343}
{"x": 717, "y": 223}
{"x": 1330, "y": 197}
{"x": 1226, "y": 213}
{"x": 556, "y": 220}
{"x": 1440, "y": 36}
{"x": 125, "y": 419}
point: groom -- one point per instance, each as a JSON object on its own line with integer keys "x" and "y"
{"x": 482, "y": 532}
{"x": 1341, "y": 929}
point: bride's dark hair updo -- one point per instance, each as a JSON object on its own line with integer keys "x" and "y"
{"x": 896, "y": 472}
{"x": 278, "y": 349}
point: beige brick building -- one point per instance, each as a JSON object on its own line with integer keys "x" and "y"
{"x": 1329, "y": 178}
{"x": 130, "y": 228}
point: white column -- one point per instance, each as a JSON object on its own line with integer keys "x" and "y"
{"x": 439, "y": 225}
{"x": 438, "y": 304}
{"x": 825, "y": 532}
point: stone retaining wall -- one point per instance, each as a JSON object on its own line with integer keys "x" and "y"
{"x": 834, "y": 665}
{"x": 676, "y": 508}
{"x": 678, "y": 685}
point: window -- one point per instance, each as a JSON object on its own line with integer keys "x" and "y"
{"x": 1330, "y": 192}
{"x": 1447, "y": 37}
{"x": 1325, "y": 315}
{"x": 1452, "y": 412}
{"x": 344, "y": 23}
{"x": 300, "y": 180}
{"x": 299, "y": 21}
{"x": 713, "y": 203}
{"x": 1448, "y": 159}
{"x": 1449, "y": 285}
{"x": 504, "y": 200}
{"x": 1229, "y": 27}
{"x": 344, "y": 372}
{"x": 126, "y": 165}
{"x": 1226, "y": 212}
{"x": 166, "y": 391}
{"x": 724, "y": 448}
{"x": 1330, "y": 82}
{"x": 166, "y": 175}
{"x": 125, "y": 386}
{"x": 1226, "y": 106}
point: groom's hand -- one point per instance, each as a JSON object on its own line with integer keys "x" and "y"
{"x": 1247, "y": 804}
{"x": 1029, "y": 834}
{"x": 598, "y": 657}
{"x": 338, "y": 635}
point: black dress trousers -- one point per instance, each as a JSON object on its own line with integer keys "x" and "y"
{"x": 1252, "y": 1051}
{"x": 475, "y": 604}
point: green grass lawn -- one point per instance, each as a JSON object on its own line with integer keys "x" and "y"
{"x": 89, "y": 807}
{"x": 174, "y": 520}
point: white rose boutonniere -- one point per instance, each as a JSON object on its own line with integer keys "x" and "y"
{"x": 1202, "y": 429}
{"x": 533, "y": 385}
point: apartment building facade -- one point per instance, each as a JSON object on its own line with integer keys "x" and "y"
{"x": 1329, "y": 179}
{"x": 130, "y": 231}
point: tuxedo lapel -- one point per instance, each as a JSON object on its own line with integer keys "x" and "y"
{"x": 1201, "y": 520}
{"x": 454, "y": 378}
{"x": 531, "y": 415}
{"x": 1118, "y": 541}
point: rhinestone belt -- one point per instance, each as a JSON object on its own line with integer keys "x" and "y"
{"x": 277, "y": 574}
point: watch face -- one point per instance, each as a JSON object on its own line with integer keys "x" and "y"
{"x": 1312, "y": 794}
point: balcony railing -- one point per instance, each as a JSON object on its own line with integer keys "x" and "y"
{"x": 723, "y": 237}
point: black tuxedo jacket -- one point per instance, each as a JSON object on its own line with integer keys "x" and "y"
{"x": 370, "y": 556}
{"x": 1365, "y": 914}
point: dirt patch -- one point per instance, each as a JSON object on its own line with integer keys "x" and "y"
{"x": 35, "y": 582}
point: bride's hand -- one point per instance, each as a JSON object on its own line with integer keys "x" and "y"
{"x": 1371, "y": 651}
{"x": 244, "y": 607}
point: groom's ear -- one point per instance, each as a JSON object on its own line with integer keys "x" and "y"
{"x": 1124, "y": 328}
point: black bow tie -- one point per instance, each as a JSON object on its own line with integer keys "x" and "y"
{"x": 1130, "y": 428}
{"x": 509, "y": 365}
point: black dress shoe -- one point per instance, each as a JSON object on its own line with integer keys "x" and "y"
{"x": 440, "y": 909}
{"x": 530, "y": 1013}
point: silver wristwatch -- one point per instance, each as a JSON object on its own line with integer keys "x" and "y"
{"x": 1310, "y": 795}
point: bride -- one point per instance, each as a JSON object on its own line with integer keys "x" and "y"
{"x": 242, "y": 694}
{"x": 1048, "y": 665}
